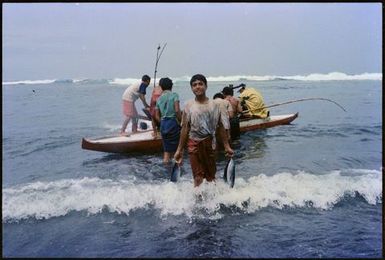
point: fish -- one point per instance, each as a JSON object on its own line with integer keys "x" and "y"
{"x": 175, "y": 173}
{"x": 229, "y": 173}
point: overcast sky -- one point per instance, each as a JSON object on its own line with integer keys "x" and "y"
{"x": 119, "y": 40}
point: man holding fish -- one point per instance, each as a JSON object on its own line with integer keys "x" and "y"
{"x": 200, "y": 120}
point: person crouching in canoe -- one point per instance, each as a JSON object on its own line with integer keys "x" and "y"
{"x": 253, "y": 103}
{"x": 167, "y": 112}
{"x": 200, "y": 120}
{"x": 235, "y": 131}
{"x": 226, "y": 112}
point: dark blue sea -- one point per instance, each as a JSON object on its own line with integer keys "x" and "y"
{"x": 311, "y": 189}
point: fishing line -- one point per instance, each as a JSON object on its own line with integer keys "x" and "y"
{"x": 292, "y": 101}
{"x": 299, "y": 100}
{"x": 305, "y": 99}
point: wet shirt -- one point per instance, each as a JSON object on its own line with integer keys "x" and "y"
{"x": 203, "y": 118}
{"x": 225, "y": 107}
{"x": 132, "y": 92}
{"x": 234, "y": 103}
{"x": 165, "y": 104}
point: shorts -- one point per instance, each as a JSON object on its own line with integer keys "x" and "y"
{"x": 129, "y": 109}
{"x": 235, "y": 131}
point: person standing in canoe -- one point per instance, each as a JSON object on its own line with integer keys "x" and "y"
{"x": 253, "y": 103}
{"x": 228, "y": 92}
{"x": 168, "y": 114}
{"x": 130, "y": 95}
{"x": 200, "y": 120}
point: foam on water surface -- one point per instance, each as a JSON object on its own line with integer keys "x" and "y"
{"x": 57, "y": 198}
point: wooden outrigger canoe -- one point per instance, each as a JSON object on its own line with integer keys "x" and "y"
{"x": 144, "y": 142}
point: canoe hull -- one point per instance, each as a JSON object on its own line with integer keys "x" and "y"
{"x": 254, "y": 124}
{"x": 143, "y": 142}
{"x": 131, "y": 144}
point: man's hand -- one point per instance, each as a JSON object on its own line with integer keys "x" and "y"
{"x": 155, "y": 134}
{"x": 178, "y": 157}
{"x": 229, "y": 152}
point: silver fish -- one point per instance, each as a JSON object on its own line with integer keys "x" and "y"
{"x": 175, "y": 173}
{"x": 229, "y": 173}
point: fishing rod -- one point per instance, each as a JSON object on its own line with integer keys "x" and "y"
{"x": 299, "y": 100}
{"x": 157, "y": 60}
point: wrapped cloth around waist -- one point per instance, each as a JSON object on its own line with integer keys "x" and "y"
{"x": 208, "y": 142}
{"x": 169, "y": 128}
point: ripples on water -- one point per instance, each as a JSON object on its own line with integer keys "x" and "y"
{"x": 309, "y": 189}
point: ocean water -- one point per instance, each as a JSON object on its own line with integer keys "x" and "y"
{"x": 311, "y": 189}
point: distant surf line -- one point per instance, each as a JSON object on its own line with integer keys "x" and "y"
{"x": 339, "y": 76}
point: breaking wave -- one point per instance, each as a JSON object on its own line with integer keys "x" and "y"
{"x": 128, "y": 81}
{"x": 30, "y": 82}
{"x": 60, "y": 81}
{"x": 311, "y": 77}
{"x": 43, "y": 200}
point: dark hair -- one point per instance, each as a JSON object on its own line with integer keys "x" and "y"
{"x": 165, "y": 83}
{"x": 146, "y": 78}
{"x": 228, "y": 91}
{"x": 219, "y": 95}
{"x": 198, "y": 77}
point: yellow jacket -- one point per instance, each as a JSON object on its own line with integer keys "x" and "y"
{"x": 254, "y": 101}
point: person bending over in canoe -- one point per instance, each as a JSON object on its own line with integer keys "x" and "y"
{"x": 235, "y": 132}
{"x": 167, "y": 112}
{"x": 156, "y": 93}
{"x": 226, "y": 111}
{"x": 200, "y": 120}
{"x": 252, "y": 103}
{"x": 130, "y": 95}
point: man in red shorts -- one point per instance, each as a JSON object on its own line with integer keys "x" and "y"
{"x": 200, "y": 120}
{"x": 130, "y": 95}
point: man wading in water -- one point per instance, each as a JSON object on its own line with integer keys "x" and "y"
{"x": 201, "y": 118}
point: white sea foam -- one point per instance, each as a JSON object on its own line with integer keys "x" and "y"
{"x": 129, "y": 81}
{"x": 310, "y": 77}
{"x": 336, "y": 76}
{"x": 52, "y": 199}
{"x": 80, "y": 80}
{"x": 233, "y": 78}
{"x": 123, "y": 81}
{"x": 114, "y": 127}
{"x": 30, "y": 82}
